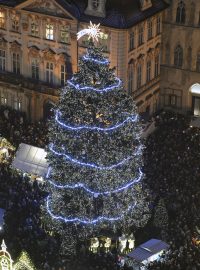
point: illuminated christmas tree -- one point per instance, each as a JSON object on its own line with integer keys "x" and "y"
{"x": 24, "y": 262}
{"x": 95, "y": 154}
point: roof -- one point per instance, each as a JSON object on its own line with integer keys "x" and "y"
{"x": 31, "y": 159}
{"x": 120, "y": 14}
{"x": 148, "y": 249}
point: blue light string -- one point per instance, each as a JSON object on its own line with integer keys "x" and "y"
{"x": 84, "y": 221}
{"x": 103, "y": 62}
{"x": 101, "y": 90}
{"x": 132, "y": 118}
{"x": 81, "y": 185}
{"x": 93, "y": 165}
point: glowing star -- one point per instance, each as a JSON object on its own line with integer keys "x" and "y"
{"x": 93, "y": 32}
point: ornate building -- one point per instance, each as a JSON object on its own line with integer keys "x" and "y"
{"x": 39, "y": 49}
{"x": 180, "y": 70}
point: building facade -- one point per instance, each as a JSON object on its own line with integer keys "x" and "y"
{"x": 180, "y": 69}
{"x": 39, "y": 50}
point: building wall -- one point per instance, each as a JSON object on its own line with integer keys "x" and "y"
{"x": 176, "y": 81}
{"x": 22, "y": 92}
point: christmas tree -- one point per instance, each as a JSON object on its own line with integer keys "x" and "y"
{"x": 95, "y": 154}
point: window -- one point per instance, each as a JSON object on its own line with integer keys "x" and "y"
{"x": 198, "y": 63}
{"x": 158, "y": 25}
{"x": 139, "y": 76}
{"x": 34, "y": 29}
{"x": 180, "y": 12}
{"x": 199, "y": 19}
{"x": 172, "y": 100}
{"x": 4, "y": 99}
{"x": 16, "y": 63}
{"x": 140, "y": 35}
{"x": 157, "y": 65}
{"x": 15, "y": 23}
{"x": 2, "y": 19}
{"x": 64, "y": 34}
{"x": 17, "y": 104}
{"x": 149, "y": 23}
{"x": 95, "y": 4}
{"x": 148, "y": 70}
{"x": 178, "y": 56}
{"x": 49, "y": 31}
{"x": 130, "y": 77}
{"x": 2, "y": 59}
{"x": 131, "y": 41}
{"x": 49, "y": 72}
{"x": 35, "y": 69}
{"x": 63, "y": 75}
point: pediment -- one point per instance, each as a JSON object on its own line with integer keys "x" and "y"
{"x": 47, "y": 7}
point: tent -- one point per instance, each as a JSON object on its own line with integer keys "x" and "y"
{"x": 148, "y": 251}
{"x": 31, "y": 159}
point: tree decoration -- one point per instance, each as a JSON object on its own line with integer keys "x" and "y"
{"x": 95, "y": 155}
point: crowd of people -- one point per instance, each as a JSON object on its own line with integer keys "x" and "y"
{"x": 171, "y": 165}
{"x": 16, "y": 128}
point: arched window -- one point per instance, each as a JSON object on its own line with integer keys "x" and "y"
{"x": 130, "y": 77}
{"x": 178, "y": 56}
{"x": 180, "y": 12}
{"x": 139, "y": 75}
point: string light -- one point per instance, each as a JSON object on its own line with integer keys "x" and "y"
{"x": 84, "y": 221}
{"x": 93, "y": 165}
{"x": 132, "y": 118}
{"x": 81, "y": 185}
{"x": 101, "y": 90}
{"x": 102, "y": 62}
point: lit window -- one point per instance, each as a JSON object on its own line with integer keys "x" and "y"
{"x": 49, "y": 72}
{"x": 157, "y": 65}
{"x": 180, "y": 12}
{"x": 2, "y": 19}
{"x": 17, "y": 104}
{"x": 34, "y": 29}
{"x": 15, "y": 23}
{"x": 64, "y": 34}
{"x": 178, "y": 56}
{"x": 140, "y": 35}
{"x": 150, "y": 26}
{"x": 49, "y": 31}
{"x": 148, "y": 70}
{"x": 131, "y": 41}
{"x": 158, "y": 25}
{"x": 16, "y": 63}
{"x": 35, "y": 69}
{"x": 63, "y": 75}
{"x": 130, "y": 77}
{"x": 2, "y": 59}
{"x": 4, "y": 99}
{"x": 139, "y": 76}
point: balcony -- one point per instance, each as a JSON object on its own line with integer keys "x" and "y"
{"x": 146, "y": 87}
{"x": 22, "y": 82}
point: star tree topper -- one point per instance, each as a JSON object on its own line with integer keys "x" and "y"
{"x": 93, "y": 32}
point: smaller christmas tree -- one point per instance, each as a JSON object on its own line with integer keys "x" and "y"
{"x": 24, "y": 262}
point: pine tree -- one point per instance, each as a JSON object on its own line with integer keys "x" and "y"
{"x": 95, "y": 154}
{"x": 24, "y": 262}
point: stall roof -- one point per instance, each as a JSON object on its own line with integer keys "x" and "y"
{"x": 148, "y": 249}
{"x": 31, "y": 159}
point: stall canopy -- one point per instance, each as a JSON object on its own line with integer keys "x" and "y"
{"x": 2, "y": 211}
{"x": 148, "y": 251}
{"x": 31, "y": 159}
